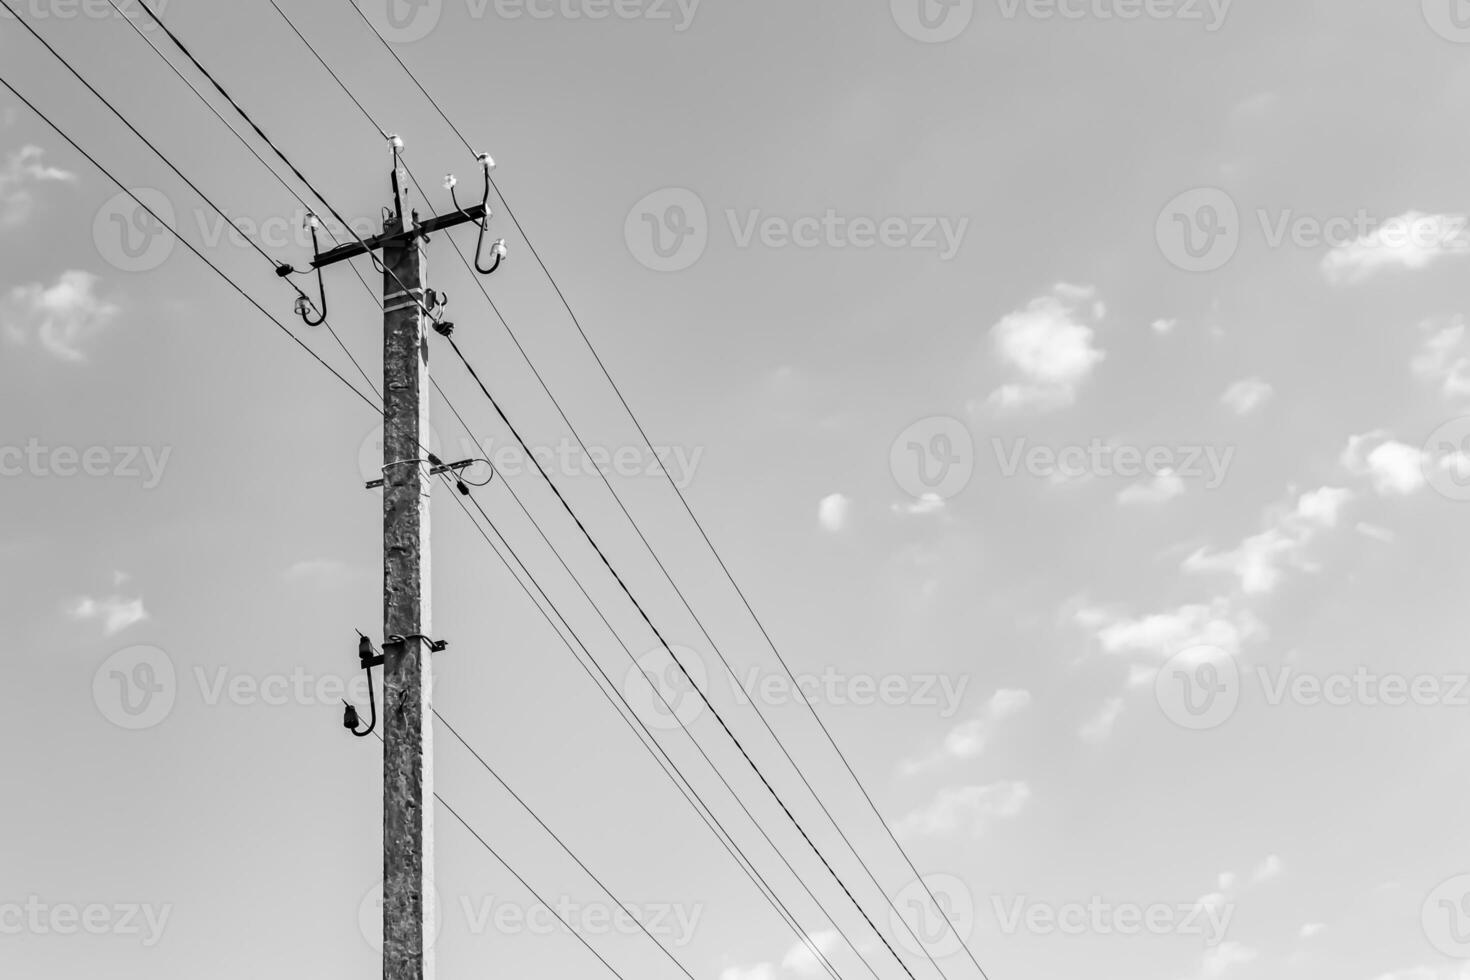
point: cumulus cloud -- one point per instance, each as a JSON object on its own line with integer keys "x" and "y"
{"x": 1248, "y": 396}
{"x": 930, "y": 503}
{"x": 1411, "y": 241}
{"x": 1162, "y": 635}
{"x": 1443, "y": 359}
{"x": 1395, "y": 469}
{"x": 1160, "y": 490}
{"x": 802, "y": 961}
{"x": 1260, "y": 561}
{"x": 969, "y": 739}
{"x": 114, "y": 612}
{"x": 966, "y": 809}
{"x": 1101, "y": 725}
{"x": 63, "y": 318}
{"x": 1268, "y": 869}
{"x": 317, "y": 572}
{"x": 1047, "y": 349}
{"x": 24, "y": 169}
{"x": 1164, "y": 327}
{"x": 834, "y": 512}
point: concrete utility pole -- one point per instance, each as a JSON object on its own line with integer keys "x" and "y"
{"x": 408, "y": 471}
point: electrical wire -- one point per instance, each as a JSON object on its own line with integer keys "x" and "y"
{"x": 729, "y": 575}
{"x": 187, "y": 244}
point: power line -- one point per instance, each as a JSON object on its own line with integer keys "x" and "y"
{"x": 261, "y": 160}
{"x": 554, "y": 836}
{"x": 719, "y": 718}
{"x": 187, "y": 244}
{"x": 646, "y": 739}
{"x": 510, "y": 212}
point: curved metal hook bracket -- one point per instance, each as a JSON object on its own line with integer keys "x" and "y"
{"x": 312, "y": 314}
{"x": 369, "y": 658}
{"x": 497, "y": 248}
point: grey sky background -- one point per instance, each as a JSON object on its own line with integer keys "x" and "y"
{"x": 1235, "y": 233}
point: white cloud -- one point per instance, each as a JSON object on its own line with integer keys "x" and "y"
{"x": 1377, "y": 533}
{"x": 1410, "y": 241}
{"x": 1160, "y": 490}
{"x": 317, "y": 572}
{"x": 1164, "y": 327}
{"x": 1162, "y": 635}
{"x": 1048, "y": 350}
{"x": 1101, "y": 726}
{"x": 1248, "y": 396}
{"x": 761, "y": 971}
{"x": 1444, "y": 358}
{"x": 114, "y": 612}
{"x": 968, "y": 739}
{"x": 1260, "y": 561}
{"x": 966, "y": 809}
{"x": 930, "y": 503}
{"x": 23, "y": 169}
{"x": 1267, "y": 870}
{"x": 1223, "y": 958}
{"x": 1312, "y": 930}
{"x": 63, "y": 317}
{"x": 1395, "y": 468}
{"x": 834, "y": 512}
{"x": 802, "y": 961}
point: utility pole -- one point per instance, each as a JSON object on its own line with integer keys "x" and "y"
{"x": 410, "y": 309}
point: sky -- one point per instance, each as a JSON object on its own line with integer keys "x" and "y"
{"x": 1079, "y": 391}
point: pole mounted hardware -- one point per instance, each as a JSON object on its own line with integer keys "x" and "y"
{"x": 368, "y": 658}
{"x": 436, "y": 467}
{"x": 398, "y": 234}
